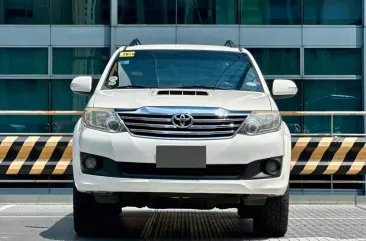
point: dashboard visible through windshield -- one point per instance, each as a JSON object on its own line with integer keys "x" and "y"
{"x": 183, "y": 69}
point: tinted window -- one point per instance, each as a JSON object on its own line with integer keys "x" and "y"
{"x": 80, "y": 12}
{"x": 333, "y": 95}
{"x": 185, "y": 68}
{"x": 281, "y": 12}
{"x": 23, "y": 61}
{"x": 72, "y": 61}
{"x": 23, "y": 94}
{"x": 146, "y": 12}
{"x": 336, "y": 61}
{"x": 277, "y": 61}
{"x": 25, "y": 12}
{"x": 341, "y": 12}
{"x": 207, "y": 12}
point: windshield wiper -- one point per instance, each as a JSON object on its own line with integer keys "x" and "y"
{"x": 133, "y": 87}
{"x": 198, "y": 87}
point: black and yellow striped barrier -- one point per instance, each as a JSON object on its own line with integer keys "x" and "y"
{"x": 328, "y": 155}
{"x": 52, "y": 155}
{"x": 35, "y": 155}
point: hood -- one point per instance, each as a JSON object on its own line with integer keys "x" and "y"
{"x": 136, "y": 98}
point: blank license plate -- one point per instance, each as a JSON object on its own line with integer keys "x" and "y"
{"x": 181, "y": 156}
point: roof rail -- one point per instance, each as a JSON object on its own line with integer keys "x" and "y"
{"x": 135, "y": 42}
{"x": 230, "y": 44}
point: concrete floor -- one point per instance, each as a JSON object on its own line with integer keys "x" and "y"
{"x": 307, "y": 222}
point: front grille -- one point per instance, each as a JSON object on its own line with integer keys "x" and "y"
{"x": 160, "y": 125}
{"x": 141, "y": 170}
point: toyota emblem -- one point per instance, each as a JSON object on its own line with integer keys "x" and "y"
{"x": 182, "y": 120}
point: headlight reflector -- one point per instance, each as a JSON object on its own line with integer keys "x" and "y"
{"x": 261, "y": 122}
{"x": 113, "y": 125}
{"x": 103, "y": 119}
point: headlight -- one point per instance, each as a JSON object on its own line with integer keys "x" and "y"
{"x": 103, "y": 120}
{"x": 260, "y": 123}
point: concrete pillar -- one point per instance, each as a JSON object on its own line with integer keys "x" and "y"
{"x": 114, "y": 23}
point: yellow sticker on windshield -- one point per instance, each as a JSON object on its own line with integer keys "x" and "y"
{"x": 127, "y": 54}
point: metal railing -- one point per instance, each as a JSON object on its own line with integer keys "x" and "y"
{"x": 40, "y": 112}
{"x": 332, "y": 114}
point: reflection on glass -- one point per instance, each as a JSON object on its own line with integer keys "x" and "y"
{"x": 28, "y": 12}
{"x": 333, "y": 95}
{"x": 80, "y": 12}
{"x": 207, "y": 12}
{"x": 70, "y": 61}
{"x": 323, "y": 95}
{"x": 146, "y": 12}
{"x": 335, "y": 61}
{"x": 185, "y": 69}
{"x": 275, "y": 61}
{"x": 262, "y": 12}
{"x": 24, "y": 94}
{"x": 64, "y": 99}
{"x": 333, "y": 12}
{"x": 23, "y": 61}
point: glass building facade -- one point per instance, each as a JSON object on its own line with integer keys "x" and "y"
{"x": 319, "y": 44}
{"x": 316, "y": 43}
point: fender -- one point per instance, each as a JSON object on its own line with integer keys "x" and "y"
{"x": 77, "y": 126}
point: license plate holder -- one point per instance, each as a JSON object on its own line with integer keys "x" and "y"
{"x": 180, "y": 157}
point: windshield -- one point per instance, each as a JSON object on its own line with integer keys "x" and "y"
{"x": 183, "y": 69}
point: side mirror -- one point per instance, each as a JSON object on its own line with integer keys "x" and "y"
{"x": 282, "y": 89}
{"x": 82, "y": 85}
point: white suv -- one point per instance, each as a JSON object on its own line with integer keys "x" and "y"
{"x": 181, "y": 126}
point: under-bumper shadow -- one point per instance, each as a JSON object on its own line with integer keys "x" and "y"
{"x": 130, "y": 226}
{"x": 166, "y": 225}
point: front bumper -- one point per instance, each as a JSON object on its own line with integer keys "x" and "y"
{"x": 237, "y": 150}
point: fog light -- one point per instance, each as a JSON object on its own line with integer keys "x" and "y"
{"x": 91, "y": 162}
{"x": 272, "y": 166}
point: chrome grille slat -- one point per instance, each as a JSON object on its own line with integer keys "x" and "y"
{"x": 147, "y": 119}
{"x": 206, "y": 124}
{"x": 184, "y": 133}
{"x": 217, "y": 120}
{"x": 173, "y": 127}
{"x": 197, "y": 120}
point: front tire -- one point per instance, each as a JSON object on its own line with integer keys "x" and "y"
{"x": 272, "y": 218}
{"x": 92, "y": 218}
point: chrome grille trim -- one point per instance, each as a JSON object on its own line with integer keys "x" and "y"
{"x": 184, "y": 133}
{"x": 193, "y": 127}
{"x": 156, "y": 122}
{"x": 146, "y": 118}
{"x": 168, "y": 120}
